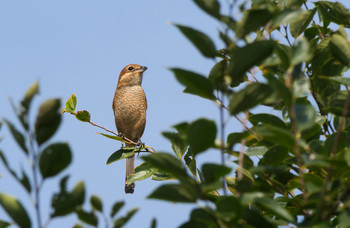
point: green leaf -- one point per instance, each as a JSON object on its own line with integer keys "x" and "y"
{"x": 334, "y": 12}
{"x": 7, "y": 166}
{"x": 278, "y": 135}
{"x": 96, "y": 203}
{"x": 213, "y": 172}
{"x": 265, "y": 118}
{"x": 83, "y": 116}
{"x": 280, "y": 89}
{"x": 17, "y": 135}
{"x": 301, "y": 87}
{"x": 275, "y": 156}
{"x": 301, "y": 52}
{"x": 123, "y": 220}
{"x": 256, "y": 151}
{"x": 191, "y": 162}
{"x": 116, "y": 208}
{"x": 24, "y": 180}
{"x": 154, "y": 223}
{"x": 286, "y": 16}
{"x": 203, "y": 217}
{"x": 236, "y": 137}
{"x": 4, "y": 224}
{"x": 229, "y": 209}
{"x": 340, "y": 49}
{"x": 114, "y": 137}
{"x": 28, "y": 97}
{"x": 252, "y": 20}
{"x": 162, "y": 176}
{"x": 337, "y": 79}
{"x": 78, "y": 225}
{"x": 121, "y": 154}
{"x": 64, "y": 202}
{"x": 71, "y": 104}
{"x": 48, "y": 120}
{"x": 305, "y": 116}
{"x": 275, "y": 208}
{"x": 217, "y": 74}
{"x": 15, "y": 210}
{"x": 174, "y": 193}
{"x": 87, "y": 217}
{"x": 344, "y": 218}
{"x": 298, "y": 26}
{"x": 178, "y": 144}
{"x": 196, "y": 84}
{"x": 142, "y": 172}
{"x": 249, "y": 97}
{"x": 164, "y": 161}
{"x": 244, "y": 58}
{"x": 212, "y": 7}
{"x": 336, "y": 103}
{"x": 201, "y": 135}
{"x": 54, "y": 159}
{"x": 201, "y": 41}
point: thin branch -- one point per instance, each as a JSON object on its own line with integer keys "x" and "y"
{"x": 126, "y": 140}
{"x": 35, "y": 166}
{"x": 241, "y": 121}
{"x": 222, "y": 136}
{"x": 241, "y": 154}
{"x": 286, "y": 35}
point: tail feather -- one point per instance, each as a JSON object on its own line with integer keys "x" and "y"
{"x": 129, "y": 171}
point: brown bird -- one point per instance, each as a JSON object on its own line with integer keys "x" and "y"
{"x": 129, "y": 107}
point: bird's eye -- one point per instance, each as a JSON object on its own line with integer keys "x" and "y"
{"x": 130, "y": 68}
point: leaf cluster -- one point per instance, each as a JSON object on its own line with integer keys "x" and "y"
{"x": 292, "y": 165}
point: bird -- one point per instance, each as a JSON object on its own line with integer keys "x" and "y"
{"x": 129, "y": 108}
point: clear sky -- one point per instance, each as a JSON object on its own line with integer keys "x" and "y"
{"x": 80, "y": 47}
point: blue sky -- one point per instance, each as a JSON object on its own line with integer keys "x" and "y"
{"x": 80, "y": 47}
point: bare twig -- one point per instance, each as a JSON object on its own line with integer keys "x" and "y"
{"x": 286, "y": 35}
{"x": 241, "y": 154}
{"x": 125, "y": 139}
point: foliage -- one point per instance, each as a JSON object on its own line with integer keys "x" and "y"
{"x": 47, "y": 160}
{"x": 292, "y": 167}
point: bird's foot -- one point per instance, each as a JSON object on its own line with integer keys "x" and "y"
{"x": 140, "y": 144}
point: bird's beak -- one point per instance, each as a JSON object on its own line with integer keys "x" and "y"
{"x": 143, "y": 68}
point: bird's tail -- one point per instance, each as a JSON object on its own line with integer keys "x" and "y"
{"x": 129, "y": 171}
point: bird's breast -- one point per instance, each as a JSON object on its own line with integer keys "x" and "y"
{"x": 130, "y": 106}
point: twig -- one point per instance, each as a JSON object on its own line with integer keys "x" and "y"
{"x": 126, "y": 140}
{"x": 286, "y": 35}
{"x": 222, "y": 147}
{"x": 241, "y": 121}
{"x": 35, "y": 180}
{"x": 241, "y": 154}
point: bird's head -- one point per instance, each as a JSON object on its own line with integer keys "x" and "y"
{"x": 131, "y": 75}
